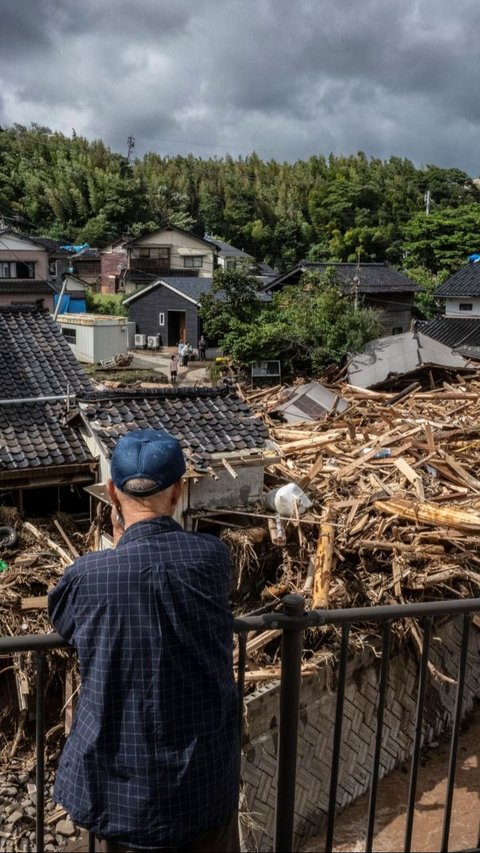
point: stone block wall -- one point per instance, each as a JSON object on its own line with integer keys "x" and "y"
{"x": 316, "y": 724}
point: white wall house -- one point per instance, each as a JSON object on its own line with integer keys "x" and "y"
{"x": 467, "y": 307}
{"x": 96, "y": 337}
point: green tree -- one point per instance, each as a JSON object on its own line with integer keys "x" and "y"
{"x": 307, "y": 327}
{"x": 425, "y": 300}
{"x": 442, "y": 240}
{"x": 232, "y": 299}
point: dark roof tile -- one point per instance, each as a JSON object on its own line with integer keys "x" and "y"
{"x": 203, "y": 419}
{"x": 465, "y": 282}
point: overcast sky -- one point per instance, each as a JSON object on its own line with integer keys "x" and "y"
{"x": 286, "y": 78}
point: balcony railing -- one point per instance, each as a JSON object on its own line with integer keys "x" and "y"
{"x": 293, "y": 622}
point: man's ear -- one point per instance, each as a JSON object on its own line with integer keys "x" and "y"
{"x": 176, "y": 492}
{"x": 112, "y": 493}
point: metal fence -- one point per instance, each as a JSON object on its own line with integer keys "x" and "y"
{"x": 293, "y": 622}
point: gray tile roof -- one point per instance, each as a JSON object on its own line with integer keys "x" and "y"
{"x": 465, "y": 282}
{"x": 36, "y": 361}
{"x": 227, "y": 249}
{"x": 453, "y": 332}
{"x": 373, "y": 278}
{"x": 193, "y": 287}
{"x": 206, "y": 421}
{"x": 33, "y": 435}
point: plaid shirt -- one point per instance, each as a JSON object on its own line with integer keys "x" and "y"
{"x": 153, "y": 756}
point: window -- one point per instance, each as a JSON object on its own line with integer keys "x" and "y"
{"x": 158, "y": 253}
{"x": 17, "y": 269}
{"x": 52, "y": 268}
{"x": 70, "y": 335}
{"x": 465, "y": 306}
{"x": 229, "y": 263}
{"x": 161, "y": 319}
{"x": 193, "y": 262}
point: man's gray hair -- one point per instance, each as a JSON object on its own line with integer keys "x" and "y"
{"x": 139, "y": 485}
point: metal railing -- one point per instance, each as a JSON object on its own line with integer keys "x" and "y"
{"x": 293, "y": 622}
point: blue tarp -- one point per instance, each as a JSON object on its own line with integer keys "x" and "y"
{"x": 473, "y": 259}
{"x": 70, "y": 248}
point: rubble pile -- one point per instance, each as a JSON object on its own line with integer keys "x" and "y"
{"x": 375, "y": 502}
{"x": 395, "y": 480}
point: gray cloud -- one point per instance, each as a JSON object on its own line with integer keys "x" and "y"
{"x": 285, "y": 79}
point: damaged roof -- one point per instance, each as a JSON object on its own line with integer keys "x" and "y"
{"x": 206, "y": 421}
{"x": 455, "y": 332}
{"x": 399, "y": 354}
{"x": 309, "y": 402}
{"x": 37, "y": 362}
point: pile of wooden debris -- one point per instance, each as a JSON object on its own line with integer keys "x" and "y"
{"x": 395, "y": 480}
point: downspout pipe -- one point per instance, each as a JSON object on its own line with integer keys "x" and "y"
{"x": 60, "y": 298}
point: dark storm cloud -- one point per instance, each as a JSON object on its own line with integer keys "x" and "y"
{"x": 287, "y": 79}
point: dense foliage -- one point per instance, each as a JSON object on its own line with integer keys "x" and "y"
{"x": 337, "y": 208}
{"x": 307, "y": 327}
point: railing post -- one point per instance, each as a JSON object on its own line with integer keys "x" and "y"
{"x": 292, "y": 644}
{"x": 40, "y": 748}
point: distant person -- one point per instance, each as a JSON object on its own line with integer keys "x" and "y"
{"x": 184, "y": 355}
{"x": 180, "y": 347}
{"x": 152, "y": 760}
{"x": 173, "y": 369}
{"x": 202, "y": 348}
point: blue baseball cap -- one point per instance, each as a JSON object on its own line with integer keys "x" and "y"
{"x": 150, "y": 454}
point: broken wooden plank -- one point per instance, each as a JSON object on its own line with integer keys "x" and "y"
{"x": 39, "y": 534}
{"x": 66, "y": 539}
{"x": 37, "y": 602}
{"x": 412, "y": 476}
{"x": 323, "y": 566}
{"x": 229, "y": 468}
{"x": 428, "y": 513}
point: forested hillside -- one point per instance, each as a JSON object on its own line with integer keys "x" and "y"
{"x": 338, "y": 208}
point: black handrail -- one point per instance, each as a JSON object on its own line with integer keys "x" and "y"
{"x": 293, "y": 621}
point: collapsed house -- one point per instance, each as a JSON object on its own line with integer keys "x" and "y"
{"x": 402, "y": 359}
{"x": 226, "y": 448}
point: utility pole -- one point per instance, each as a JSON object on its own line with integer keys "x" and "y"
{"x": 356, "y": 282}
{"x": 131, "y": 146}
{"x": 428, "y": 201}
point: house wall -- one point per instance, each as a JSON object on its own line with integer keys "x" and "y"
{"x": 97, "y": 341}
{"x": 181, "y": 245}
{"x": 211, "y": 493}
{"x": 395, "y": 308}
{"x": 111, "y": 264}
{"x": 452, "y": 307}
{"x": 145, "y": 311}
{"x": 29, "y": 298}
{"x": 16, "y": 251}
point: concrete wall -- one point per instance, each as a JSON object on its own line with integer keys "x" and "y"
{"x": 317, "y": 714}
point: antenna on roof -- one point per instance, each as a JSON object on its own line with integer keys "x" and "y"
{"x": 131, "y": 146}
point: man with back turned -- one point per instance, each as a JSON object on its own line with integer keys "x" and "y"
{"x": 152, "y": 761}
